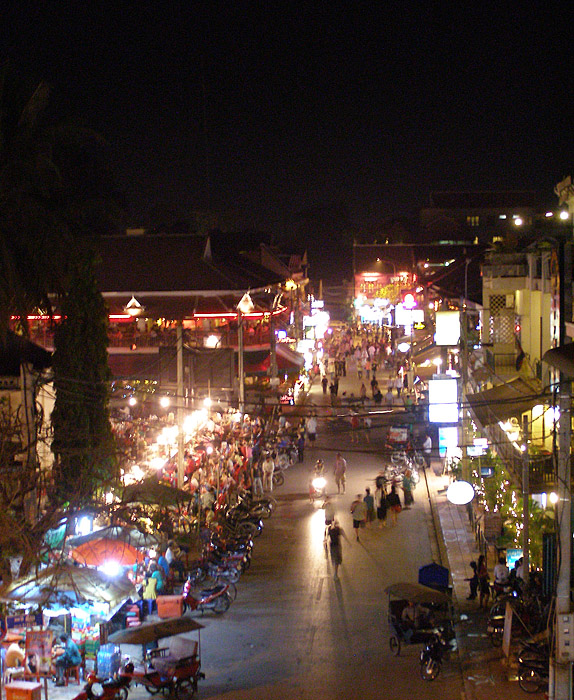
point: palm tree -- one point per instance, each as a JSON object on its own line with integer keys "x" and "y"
{"x": 33, "y": 242}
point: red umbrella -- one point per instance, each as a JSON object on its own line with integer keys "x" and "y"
{"x": 97, "y": 552}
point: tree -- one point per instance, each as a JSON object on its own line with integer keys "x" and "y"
{"x": 83, "y": 444}
{"x": 56, "y": 192}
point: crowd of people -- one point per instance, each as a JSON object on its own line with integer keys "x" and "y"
{"x": 364, "y": 352}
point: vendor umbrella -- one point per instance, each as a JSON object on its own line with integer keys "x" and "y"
{"x": 68, "y": 584}
{"x": 104, "y": 550}
{"x": 151, "y": 492}
{"x": 152, "y": 631}
{"x": 116, "y": 532}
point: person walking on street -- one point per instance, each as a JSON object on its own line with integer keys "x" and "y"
{"x": 483, "y": 582}
{"x": 381, "y": 503}
{"x": 268, "y": 468}
{"x": 359, "y": 511}
{"x": 370, "y": 503}
{"x": 324, "y": 384}
{"x": 301, "y": 447}
{"x": 312, "y": 429}
{"x": 408, "y": 485}
{"x": 329, "y": 509}
{"x": 394, "y": 503}
{"x": 335, "y": 535}
{"x": 427, "y": 448}
{"x": 257, "y": 480}
{"x": 355, "y": 424}
{"x": 473, "y": 581}
{"x": 340, "y": 472}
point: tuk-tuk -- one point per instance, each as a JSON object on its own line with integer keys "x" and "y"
{"x": 433, "y": 608}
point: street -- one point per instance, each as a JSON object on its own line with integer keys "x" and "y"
{"x": 294, "y": 632}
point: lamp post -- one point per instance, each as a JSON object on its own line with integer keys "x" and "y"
{"x": 245, "y": 306}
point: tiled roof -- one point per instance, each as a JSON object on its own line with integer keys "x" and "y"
{"x": 171, "y": 263}
{"x": 484, "y": 200}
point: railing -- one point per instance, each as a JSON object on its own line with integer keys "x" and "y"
{"x": 129, "y": 336}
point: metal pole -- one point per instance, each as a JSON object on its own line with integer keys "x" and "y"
{"x": 180, "y": 437}
{"x": 525, "y": 502}
{"x": 562, "y": 687}
{"x": 240, "y": 359}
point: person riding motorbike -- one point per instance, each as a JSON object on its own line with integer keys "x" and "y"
{"x": 319, "y": 469}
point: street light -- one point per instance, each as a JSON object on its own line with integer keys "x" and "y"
{"x": 245, "y": 306}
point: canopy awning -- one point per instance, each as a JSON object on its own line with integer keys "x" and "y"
{"x": 505, "y": 401}
{"x": 258, "y": 362}
{"x": 562, "y": 358}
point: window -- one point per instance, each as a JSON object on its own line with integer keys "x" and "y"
{"x": 473, "y": 221}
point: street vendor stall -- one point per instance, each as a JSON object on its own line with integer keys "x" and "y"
{"x": 70, "y": 598}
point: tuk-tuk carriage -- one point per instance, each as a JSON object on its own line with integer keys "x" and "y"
{"x": 433, "y": 609}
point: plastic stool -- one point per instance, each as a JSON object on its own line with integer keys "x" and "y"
{"x": 72, "y": 672}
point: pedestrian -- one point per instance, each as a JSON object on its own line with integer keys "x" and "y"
{"x": 398, "y": 384}
{"x": 408, "y": 485}
{"x": 501, "y": 575}
{"x": 301, "y": 447}
{"x": 427, "y": 449}
{"x": 312, "y": 429}
{"x": 335, "y": 534}
{"x": 340, "y": 472}
{"x": 257, "y": 480}
{"x": 483, "y": 582}
{"x": 329, "y": 509}
{"x": 324, "y": 383}
{"x": 149, "y": 593}
{"x": 473, "y": 581}
{"x": 363, "y": 393}
{"x": 370, "y": 503}
{"x": 366, "y": 424}
{"x": 394, "y": 503}
{"x": 355, "y": 424}
{"x": 268, "y": 467}
{"x": 381, "y": 503}
{"x": 359, "y": 511}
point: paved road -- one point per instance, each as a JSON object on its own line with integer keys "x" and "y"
{"x": 294, "y": 632}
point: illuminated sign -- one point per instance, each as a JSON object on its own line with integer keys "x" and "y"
{"x": 447, "y": 328}
{"x": 443, "y": 401}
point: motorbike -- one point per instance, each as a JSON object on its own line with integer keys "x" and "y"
{"x": 176, "y": 677}
{"x": 108, "y": 689}
{"x": 317, "y": 488}
{"x": 216, "y": 598}
{"x": 533, "y": 666}
{"x": 437, "y": 648}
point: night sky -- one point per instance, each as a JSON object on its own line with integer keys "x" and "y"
{"x": 272, "y": 109}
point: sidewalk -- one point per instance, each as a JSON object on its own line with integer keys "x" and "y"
{"x": 485, "y": 672}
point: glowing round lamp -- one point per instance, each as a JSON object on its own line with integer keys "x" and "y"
{"x": 403, "y": 347}
{"x": 460, "y": 493}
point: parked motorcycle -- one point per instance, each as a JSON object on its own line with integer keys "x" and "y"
{"x": 108, "y": 689}
{"x": 533, "y": 666}
{"x": 215, "y": 598}
{"x": 437, "y": 648}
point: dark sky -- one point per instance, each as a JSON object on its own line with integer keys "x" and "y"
{"x": 271, "y": 108}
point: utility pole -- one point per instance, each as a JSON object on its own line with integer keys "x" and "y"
{"x": 180, "y": 436}
{"x": 563, "y": 671}
{"x": 525, "y": 502}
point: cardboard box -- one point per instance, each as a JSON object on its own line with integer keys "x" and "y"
{"x": 23, "y": 690}
{"x": 170, "y": 605}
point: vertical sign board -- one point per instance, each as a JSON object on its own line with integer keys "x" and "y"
{"x": 507, "y": 634}
{"x": 39, "y": 652}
